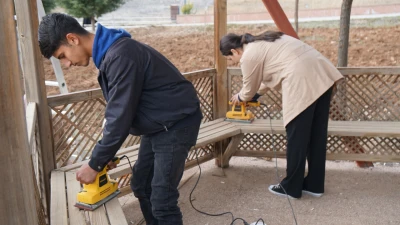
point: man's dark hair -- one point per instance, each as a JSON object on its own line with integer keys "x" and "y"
{"x": 53, "y": 30}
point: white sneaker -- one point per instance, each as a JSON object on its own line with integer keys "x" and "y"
{"x": 312, "y": 193}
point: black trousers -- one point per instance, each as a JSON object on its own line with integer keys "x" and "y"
{"x": 306, "y": 139}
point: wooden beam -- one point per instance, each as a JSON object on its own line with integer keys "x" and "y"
{"x": 279, "y": 17}
{"x": 17, "y": 194}
{"x": 28, "y": 22}
{"x": 221, "y": 80}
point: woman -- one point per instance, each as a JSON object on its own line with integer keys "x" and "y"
{"x": 306, "y": 79}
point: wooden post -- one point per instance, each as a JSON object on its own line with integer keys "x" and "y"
{"x": 221, "y": 79}
{"x": 32, "y": 67}
{"x": 17, "y": 192}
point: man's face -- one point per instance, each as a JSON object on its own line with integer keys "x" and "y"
{"x": 72, "y": 53}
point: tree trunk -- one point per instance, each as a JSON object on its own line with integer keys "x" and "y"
{"x": 344, "y": 33}
{"x": 296, "y": 16}
{"x": 93, "y": 22}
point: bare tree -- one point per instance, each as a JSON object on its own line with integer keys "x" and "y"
{"x": 296, "y": 16}
{"x": 344, "y": 33}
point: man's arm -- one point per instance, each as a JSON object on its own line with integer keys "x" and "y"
{"x": 125, "y": 81}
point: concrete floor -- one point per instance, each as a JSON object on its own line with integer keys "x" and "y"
{"x": 353, "y": 195}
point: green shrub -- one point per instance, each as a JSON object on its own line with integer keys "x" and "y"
{"x": 187, "y": 8}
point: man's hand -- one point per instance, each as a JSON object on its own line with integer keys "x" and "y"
{"x": 86, "y": 175}
{"x": 235, "y": 99}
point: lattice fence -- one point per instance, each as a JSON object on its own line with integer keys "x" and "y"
{"x": 368, "y": 96}
{"x": 37, "y": 166}
{"x": 78, "y": 118}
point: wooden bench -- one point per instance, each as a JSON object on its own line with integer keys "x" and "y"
{"x": 64, "y": 186}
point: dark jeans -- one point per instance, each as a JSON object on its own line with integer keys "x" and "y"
{"x": 306, "y": 139}
{"x": 158, "y": 171}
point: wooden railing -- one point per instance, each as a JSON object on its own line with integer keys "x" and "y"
{"x": 367, "y": 94}
{"x": 78, "y": 117}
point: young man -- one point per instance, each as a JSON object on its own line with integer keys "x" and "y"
{"x": 146, "y": 95}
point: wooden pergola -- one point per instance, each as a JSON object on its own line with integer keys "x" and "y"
{"x": 31, "y": 147}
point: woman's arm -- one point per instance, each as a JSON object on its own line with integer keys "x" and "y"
{"x": 252, "y": 79}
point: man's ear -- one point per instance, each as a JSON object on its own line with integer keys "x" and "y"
{"x": 72, "y": 39}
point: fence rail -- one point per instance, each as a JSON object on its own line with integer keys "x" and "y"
{"x": 367, "y": 94}
{"x": 78, "y": 117}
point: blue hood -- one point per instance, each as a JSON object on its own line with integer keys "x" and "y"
{"x": 103, "y": 39}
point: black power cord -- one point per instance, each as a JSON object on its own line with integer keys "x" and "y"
{"x": 277, "y": 177}
{"x": 276, "y": 163}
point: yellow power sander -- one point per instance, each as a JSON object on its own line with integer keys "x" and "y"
{"x": 101, "y": 191}
{"x": 239, "y": 112}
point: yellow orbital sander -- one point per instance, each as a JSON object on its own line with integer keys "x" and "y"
{"x": 239, "y": 112}
{"x": 94, "y": 195}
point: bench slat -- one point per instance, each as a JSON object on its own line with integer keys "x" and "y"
{"x": 115, "y": 213}
{"x": 58, "y": 206}
{"x": 98, "y": 216}
{"x": 73, "y": 187}
{"x": 340, "y": 128}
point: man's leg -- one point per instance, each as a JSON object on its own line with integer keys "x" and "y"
{"x": 171, "y": 149}
{"x": 142, "y": 176}
{"x": 298, "y": 133}
{"x": 316, "y": 157}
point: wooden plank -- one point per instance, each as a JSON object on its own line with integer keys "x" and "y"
{"x": 340, "y": 128}
{"x": 345, "y": 156}
{"x": 369, "y": 70}
{"x": 231, "y": 149}
{"x": 98, "y": 216}
{"x": 221, "y": 79}
{"x": 199, "y": 74}
{"x": 18, "y": 203}
{"x": 217, "y": 137}
{"x": 31, "y": 118}
{"x": 347, "y": 71}
{"x": 78, "y": 96}
{"x": 34, "y": 76}
{"x": 58, "y": 206}
{"x": 215, "y": 129}
{"x": 119, "y": 153}
{"x": 76, "y": 216}
{"x": 115, "y": 214}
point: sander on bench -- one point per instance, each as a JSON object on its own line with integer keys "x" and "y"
{"x": 94, "y": 195}
{"x": 239, "y": 112}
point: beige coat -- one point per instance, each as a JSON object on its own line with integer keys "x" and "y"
{"x": 298, "y": 70}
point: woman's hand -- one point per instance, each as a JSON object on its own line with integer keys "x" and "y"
{"x": 235, "y": 99}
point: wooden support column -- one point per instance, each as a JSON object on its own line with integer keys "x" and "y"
{"x": 17, "y": 193}
{"x": 221, "y": 97}
{"x": 231, "y": 149}
{"x": 33, "y": 72}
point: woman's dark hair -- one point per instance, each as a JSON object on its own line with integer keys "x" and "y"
{"x": 234, "y": 41}
{"x": 53, "y": 30}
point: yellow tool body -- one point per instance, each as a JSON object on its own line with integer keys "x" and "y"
{"x": 239, "y": 113}
{"x": 100, "y": 191}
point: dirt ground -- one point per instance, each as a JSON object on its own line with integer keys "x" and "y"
{"x": 353, "y": 196}
{"x": 191, "y": 48}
